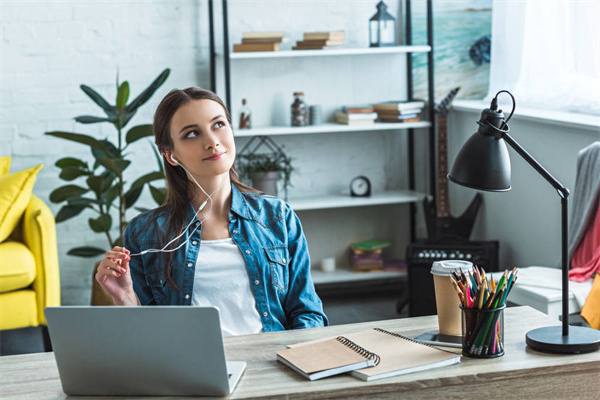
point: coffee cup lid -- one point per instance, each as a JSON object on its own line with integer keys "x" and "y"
{"x": 446, "y": 267}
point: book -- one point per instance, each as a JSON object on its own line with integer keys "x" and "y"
{"x": 370, "y": 245}
{"x": 357, "y": 122}
{"x": 322, "y": 43}
{"x": 395, "y": 113}
{"x": 398, "y": 354}
{"x": 331, "y": 35}
{"x": 327, "y": 357}
{"x": 262, "y": 35}
{"x": 266, "y": 40}
{"x": 256, "y": 47}
{"x": 399, "y": 105}
{"x": 358, "y": 109}
{"x": 355, "y": 116}
{"x": 415, "y": 119}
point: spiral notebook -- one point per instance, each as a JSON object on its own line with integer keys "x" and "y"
{"x": 327, "y": 357}
{"x": 397, "y": 354}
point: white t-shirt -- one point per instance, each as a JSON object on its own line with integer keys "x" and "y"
{"x": 221, "y": 280}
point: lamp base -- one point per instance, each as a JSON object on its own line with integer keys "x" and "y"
{"x": 551, "y": 340}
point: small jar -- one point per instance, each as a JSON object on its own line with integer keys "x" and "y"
{"x": 245, "y": 116}
{"x": 299, "y": 110}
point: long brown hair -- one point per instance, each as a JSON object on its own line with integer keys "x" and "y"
{"x": 179, "y": 188}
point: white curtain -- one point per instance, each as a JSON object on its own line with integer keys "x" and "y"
{"x": 547, "y": 54}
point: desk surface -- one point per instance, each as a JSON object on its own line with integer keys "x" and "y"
{"x": 520, "y": 373}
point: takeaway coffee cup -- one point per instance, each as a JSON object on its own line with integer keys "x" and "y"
{"x": 446, "y": 298}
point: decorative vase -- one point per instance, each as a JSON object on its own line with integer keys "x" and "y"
{"x": 266, "y": 182}
{"x": 99, "y": 296}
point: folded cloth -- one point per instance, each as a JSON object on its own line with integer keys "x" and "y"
{"x": 591, "y": 309}
{"x": 586, "y": 258}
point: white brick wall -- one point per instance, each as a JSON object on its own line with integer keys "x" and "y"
{"x": 49, "y": 48}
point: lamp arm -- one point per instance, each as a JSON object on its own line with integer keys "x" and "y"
{"x": 563, "y": 192}
{"x": 560, "y": 188}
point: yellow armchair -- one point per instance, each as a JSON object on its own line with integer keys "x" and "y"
{"x": 29, "y": 274}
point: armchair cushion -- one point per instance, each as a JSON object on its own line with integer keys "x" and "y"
{"x": 17, "y": 266}
{"x": 4, "y": 165}
{"x": 14, "y": 198}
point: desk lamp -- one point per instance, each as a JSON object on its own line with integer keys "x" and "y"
{"x": 483, "y": 164}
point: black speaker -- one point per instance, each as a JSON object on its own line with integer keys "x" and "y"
{"x": 419, "y": 257}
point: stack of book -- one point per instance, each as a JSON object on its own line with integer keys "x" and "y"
{"x": 367, "y": 256}
{"x": 259, "y": 41}
{"x": 362, "y": 114}
{"x": 320, "y": 40}
{"x": 399, "y": 111}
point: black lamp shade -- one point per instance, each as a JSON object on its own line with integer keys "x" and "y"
{"x": 482, "y": 163}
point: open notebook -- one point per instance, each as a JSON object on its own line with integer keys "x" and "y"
{"x": 327, "y": 357}
{"x": 398, "y": 354}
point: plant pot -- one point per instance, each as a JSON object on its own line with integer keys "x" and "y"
{"x": 99, "y": 296}
{"x": 266, "y": 181}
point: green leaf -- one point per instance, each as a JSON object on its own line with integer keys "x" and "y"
{"x": 138, "y": 132}
{"x": 69, "y": 174}
{"x": 107, "y": 180}
{"x": 146, "y": 94}
{"x": 101, "y": 224}
{"x": 122, "y": 96}
{"x": 70, "y": 162}
{"x": 79, "y": 138}
{"x": 110, "y": 150}
{"x": 141, "y": 181}
{"x": 68, "y": 212}
{"x": 159, "y": 195}
{"x": 126, "y": 116}
{"x": 64, "y": 192}
{"x": 82, "y": 201}
{"x": 111, "y": 111}
{"x": 90, "y": 119}
{"x": 95, "y": 183}
{"x": 141, "y": 209}
{"x": 86, "y": 251}
{"x": 115, "y": 165}
{"x": 132, "y": 196}
{"x": 111, "y": 194}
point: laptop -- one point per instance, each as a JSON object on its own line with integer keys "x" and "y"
{"x": 154, "y": 350}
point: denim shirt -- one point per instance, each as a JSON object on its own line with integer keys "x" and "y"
{"x": 270, "y": 238}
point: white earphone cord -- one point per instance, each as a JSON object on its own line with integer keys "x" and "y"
{"x": 192, "y": 220}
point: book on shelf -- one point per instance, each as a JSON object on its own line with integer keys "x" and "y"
{"x": 413, "y": 119}
{"x": 326, "y": 358}
{"x": 330, "y": 35}
{"x": 267, "y": 40}
{"x": 317, "y": 47}
{"x": 263, "y": 35}
{"x": 395, "y": 113}
{"x": 398, "y": 354}
{"x": 256, "y": 47}
{"x": 355, "y": 116}
{"x": 321, "y": 43}
{"x": 399, "y": 105}
{"x": 371, "y": 245}
{"x": 358, "y": 109}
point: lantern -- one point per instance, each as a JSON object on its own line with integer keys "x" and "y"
{"x": 382, "y": 28}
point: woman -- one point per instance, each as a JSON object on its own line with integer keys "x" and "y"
{"x": 240, "y": 251}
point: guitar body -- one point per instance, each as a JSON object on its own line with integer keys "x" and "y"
{"x": 450, "y": 229}
{"x": 441, "y": 226}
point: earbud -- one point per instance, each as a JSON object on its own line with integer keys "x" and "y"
{"x": 175, "y": 160}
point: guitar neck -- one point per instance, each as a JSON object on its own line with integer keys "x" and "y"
{"x": 443, "y": 203}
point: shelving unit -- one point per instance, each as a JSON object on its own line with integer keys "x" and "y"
{"x": 333, "y": 201}
{"x": 329, "y": 128}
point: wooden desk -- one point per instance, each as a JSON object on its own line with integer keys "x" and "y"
{"x": 520, "y": 373}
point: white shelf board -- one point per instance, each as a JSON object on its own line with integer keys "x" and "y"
{"x": 341, "y": 275}
{"x": 328, "y": 201}
{"x": 329, "y": 52}
{"x": 329, "y": 128}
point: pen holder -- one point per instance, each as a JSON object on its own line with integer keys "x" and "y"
{"x": 483, "y": 332}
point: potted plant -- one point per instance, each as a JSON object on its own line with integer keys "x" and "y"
{"x": 102, "y": 186}
{"x": 265, "y": 170}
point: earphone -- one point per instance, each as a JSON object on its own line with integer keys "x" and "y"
{"x": 209, "y": 197}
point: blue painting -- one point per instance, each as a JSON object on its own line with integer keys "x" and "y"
{"x": 462, "y": 40}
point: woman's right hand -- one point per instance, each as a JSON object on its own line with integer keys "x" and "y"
{"x": 115, "y": 278}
